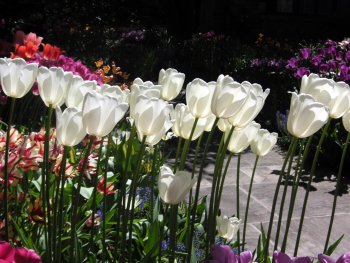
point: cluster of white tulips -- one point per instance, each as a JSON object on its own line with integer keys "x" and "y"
{"x": 229, "y": 105}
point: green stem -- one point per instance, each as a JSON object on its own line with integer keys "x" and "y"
{"x": 94, "y": 196}
{"x": 186, "y": 146}
{"x": 215, "y": 186}
{"x": 75, "y": 201}
{"x": 46, "y": 183}
{"x": 153, "y": 176}
{"x": 278, "y": 185}
{"x": 6, "y": 176}
{"x": 237, "y": 199}
{"x": 286, "y": 180}
{"x": 122, "y": 214}
{"x": 132, "y": 195}
{"x": 179, "y": 144}
{"x": 104, "y": 247}
{"x": 165, "y": 216}
{"x": 62, "y": 175}
{"x": 194, "y": 207}
{"x": 296, "y": 181}
{"x": 339, "y": 175}
{"x": 172, "y": 243}
{"x": 248, "y": 201}
{"x": 313, "y": 168}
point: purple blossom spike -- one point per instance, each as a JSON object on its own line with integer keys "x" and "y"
{"x": 305, "y": 53}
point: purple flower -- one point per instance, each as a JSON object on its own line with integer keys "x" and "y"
{"x": 281, "y": 257}
{"x": 301, "y": 72}
{"x": 327, "y": 259}
{"x": 137, "y": 35}
{"x": 332, "y": 64}
{"x": 316, "y": 60}
{"x": 305, "y": 53}
{"x": 324, "y": 68}
{"x": 222, "y": 254}
{"x": 347, "y": 56}
{"x": 255, "y": 62}
{"x": 292, "y": 63}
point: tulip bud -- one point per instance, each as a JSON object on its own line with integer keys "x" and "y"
{"x": 171, "y": 81}
{"x": 53, "y": 83}
{"x": 306, "y": 116}
{"x": 346, "y": 121}
{"x": 184, "y": 122}
{"x": 173, "y": 188}
{"x": 341, "y": 103}
{"x": 17, "y": 77}
{"x": 69, "y": 126}
{"x": 227, "y": 227}
{"x": 199, "y": 95}
{"x": 228, "y": 98}
{"x": 263, "y": 142}
{"x": 102, "y": 113}
{"x": 242, "y": 137}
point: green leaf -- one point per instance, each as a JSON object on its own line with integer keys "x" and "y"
{"x": 193, "y": 255}
{"x": 153, "y": 239}
{"x": 332, "y": 247}
{"x": 27, "y": 241}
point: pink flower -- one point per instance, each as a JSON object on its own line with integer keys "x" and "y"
{"x": 327, "y": 259}
{"x": 8, "y": 254}
{"x": 281, "y": 257}
{"x": 32, "y": 37}
{"x": 222, "y": 254}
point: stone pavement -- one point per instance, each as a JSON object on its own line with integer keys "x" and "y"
{"x": 318, "y": 210}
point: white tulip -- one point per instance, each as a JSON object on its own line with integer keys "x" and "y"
{"x": 102, "y": 113}
{"x": 341, "y": 103}
{"x": 199, "y": 95}
{"x": 346, "y": 121}
{"x": 251, "y": 107}
{"x": 17, "y": 77}
{"x": 184, "y": 122}
{"x": 173, "y": 188}
{"x": 70, "y": 129}
{"x": 224, "y": 125}
{"x": 227, "y": 227}
{"x": 263, "y": 142}
{"x": 153, "y": 117}
{"x": 171, "y": 81}
{"x": 210, "y": 122}
{"x": 77, "y": 91}
{"x": 306, "y": 116}
{"x": 116, "y": 92}
{"x": 228, "y": 98}
{"x": 53, "y": 84}
{"x": 242, "y": 137}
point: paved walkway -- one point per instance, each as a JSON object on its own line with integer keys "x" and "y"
{"x": 318, "y": 211}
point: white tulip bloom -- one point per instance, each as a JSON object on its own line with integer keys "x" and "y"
{"x": 227, "y": 227}
{"x": 263, "y": 142}
{"x": 173, "y": 188}
{"x": 306, "y": 116}
{"x": 171, "y": 82}
{"x": 17, "y": 77}
{"x": 77, "y": 91}
{"x": 242, "y": 137}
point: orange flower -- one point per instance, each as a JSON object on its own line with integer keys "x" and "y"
{"x": 25, "y": 51}
{"x": 51, "y": 52}
{"x": 99, "y": 63}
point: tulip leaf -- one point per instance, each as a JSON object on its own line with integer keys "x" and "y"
{"x": 332, "y": 247}
{"x": 153, "y": 239}
{"x": 27, "y": 241}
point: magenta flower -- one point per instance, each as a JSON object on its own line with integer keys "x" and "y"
{"x": 281, "y": 257}
{"x": 305, "y": 53}
{"x": 224, "y": 254}
{"x": 8, "y": 254}
{"x": 301, "y": 72}
{"x": 327, "y": 259}
{"x": 292, "y": 63}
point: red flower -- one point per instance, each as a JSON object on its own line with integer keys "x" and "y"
{"x": 8, "y": 254}
{"x": 109, "y": 187}
{"x": 51, "y": 52}
{"x": 25, "y": 51}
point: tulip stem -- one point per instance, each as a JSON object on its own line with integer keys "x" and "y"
{"x": 313, "y": 168}
{"x": 46, "y": 186}
{"x": 248, "y": 201}
{"x": 215, "y": 186}
{"x": 94, "y": 195}
{"x": 132, "y": 194}
{"x": 339, "y": 176}
{"x": 178, "y": 149}
{"x": 186, "y": 146}
{"x": 75, "y": 201}
{"x": 153, "y": 174}
{"x": 122, "y": 214}
{"x": 286, "y": 180}
{"x": 237, "y": 199}
{"x": 60, "y": 206}
{"x": 104, "y": 247}
{"x": 296, "y": 181}
{"x": 194, "y": 207}
{"x": 6, "y": 176}
{"x": 173, "y": 224}
{"x": 274, "y": 202}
